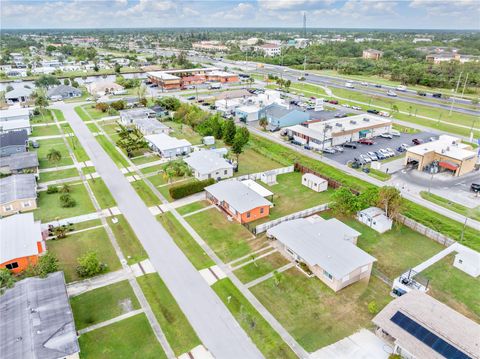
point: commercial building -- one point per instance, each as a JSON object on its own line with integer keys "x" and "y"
{"x": 13, "y": 142}
{"x": 23, "y": 162}
{"x": 37, "y": 320}
{"x": 62, "y": 92}
{"x": 21, "y": 242}
{"x": 438, "y": 58}
{"x": 168, "y": 146}
{"x": 165, "y": 80}
{"x": 253, "y": 108}
{"x": 279, "y": 116}
{"x": 209, "y": 46}
{"x": 238, "y": 200}
{"x": 372, "y": 54}
{"x": 327, "y": 247}
{"x": 420, "y": 326}
{"x": 269, "y": 50}
{"x": 375, "y": 218}
{"x": 18, "y": 193}
{"x": 209, "y": 164}
{"x": 337, "y": 131}
{"x": 445, "y": 154}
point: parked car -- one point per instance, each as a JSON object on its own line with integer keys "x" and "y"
{"x": 346, "y": 105}
{"x": 421, "y": 93}
{"x": 365, "y": 141}
{"x": 307, "y": 147}
{"x": 328, "y": 150}
{"x": 386, "y": 135}
{"x": 358, "y": 108}
{"x": 191, "y": 98}
{"x": 391, "y": 93}
{"x": 375, "y": 112}
{"x": 372, "y": 156}
{"x": 395, "y": 133}
{"x": 333, "y": 102}
{"x": 386, "y": 153}
{"x": 378, "y": 86}
{"x": 350, "y": 145}
{"x": 365, "y": 159}
{"x": 417, "y": 141}
{"x": 380, "y": 155}
{"x": 338, "y": 115}
{"x": 338, "y": 148}
{"x": 391, "y": 151}
{"x": 35, "y": 144}
{"x": 293, "y": 142}
{"x": 437, "y": 95}
{"x": 475, "y": 187}
{"x": 401, "y": 149}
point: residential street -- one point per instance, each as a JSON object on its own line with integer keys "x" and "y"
{"x": 214, "y": 324}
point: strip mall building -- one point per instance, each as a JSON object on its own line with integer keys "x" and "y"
{"x": 177, "y": 79}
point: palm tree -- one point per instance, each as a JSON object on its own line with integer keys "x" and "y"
{"x": 263, "y": 122}
{"x": 54, "y": 156}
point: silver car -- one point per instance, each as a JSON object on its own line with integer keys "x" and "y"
{"x": 365, "y": 158}
{"x": 372, "y": 156}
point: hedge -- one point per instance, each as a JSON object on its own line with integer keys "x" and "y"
{"x": 184, "y": 190}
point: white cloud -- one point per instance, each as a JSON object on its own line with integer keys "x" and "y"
{"x": 293, "y": 4}
{"x": 239, "y": 12}
{"x": 467, "y": 8}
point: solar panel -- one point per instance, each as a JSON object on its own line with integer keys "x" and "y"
{"x": 427, "y": 337}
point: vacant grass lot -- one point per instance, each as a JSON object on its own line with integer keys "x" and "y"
{"x": 60, "y": 174}
{"x": 192, "y": 207}
{"x": 49, "y": 207}
{"x": 101, "y": 193}
{"x": 185, "y": 242}
{"x": 69, "y": 249}
{"x": 46, "y": 146}
{"x": 93, "y": 113}
{"x": 44, "y": 117}
{"x": 397, "y": 250}
{"x": 145, "y": 193}
{"x": 130, "y": 338}
{"x": 473, "y": 213}
{"x": 229, "y": 240}
{"x": 50, "y": 130}
{"x": 184, "y": 131}
{"x": 261, "y": 267}
{"x": 253, "y": 162}
{"x": 103, "y": 303}
{"x": 454, "y": 287}
{"x": 178, "y": 331}
{"x": 315, "y": 315}
{"x": 262, "y": 334}
{"x": 127, "y": 240}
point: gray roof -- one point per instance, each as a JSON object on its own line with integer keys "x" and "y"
{"x": 165, "y": 143}
{"x": 19, "y": 92}
{"x": 19, "y": 235}
{"x": 323, "y": 243}
{"x": 13, "y": 138}
{"x": 438, "y": 318}
{"x": 63, "y": 90}
{"x": 15, "y": 187}
{"x": 237, "y": 195}
{"x": 277, "y": 111}
{"x": 207, "y": 161}
{"x": 136, "y": 113}
{"x": 149, "y": 124}
{"x": 37, "y": 320}
{"x": 20, "y": 161}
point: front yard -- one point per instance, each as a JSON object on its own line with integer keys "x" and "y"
{"x": 261, "y": 267}
{"x": 50, "y": 130}
{"x": 60, "y": 174}
{"x": 101, "y": 193}
{"x": 145, "y": 193}
{"x": 46, "y": 146}
{"x": 127, "y": 240}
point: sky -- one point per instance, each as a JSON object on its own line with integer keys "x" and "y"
{"x": 397, "y": 14}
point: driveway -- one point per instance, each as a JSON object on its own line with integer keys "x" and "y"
{"x": 211, "y": 320}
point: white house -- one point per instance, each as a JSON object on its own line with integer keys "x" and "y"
{"x": 15, "y": 119}
{"x": 375, "y": 218}
{"x": 18, "y": 95}
{"x": 314, "y": 182}
{"x": 150, "y": 126}
{"x": 468, "y": 260}
{"x": 209, "y": 164}
{"x": 168, "y": 146}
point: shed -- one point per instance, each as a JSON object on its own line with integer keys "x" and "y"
{"x": 318, "y": 184}
{"x": 208, "y": 140}
{"x": 375, "y": 218}
{"x": 468, "y": 261}
{"x": 269, "y": 177}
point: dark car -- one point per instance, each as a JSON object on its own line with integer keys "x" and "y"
{"x": 375, "y": 112}
{"x": 421, "y": 93}
{"x": 333, "y": 102}
{"x": 475, "y": 187}
{"x": 380, "y": 155}
{"x": 191, "y": 98}
{"x": 437, "y": 95}
{"x": 378, "y": 86}
{"x": 365, "y": 141}
{"x": 350, "y": 145}
{"x": 417, "y": 141}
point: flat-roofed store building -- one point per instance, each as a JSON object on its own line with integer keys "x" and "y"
{"x": 221, "y": 76}
{"x": 164, "y": 80}
{"x": 337, "y": 131}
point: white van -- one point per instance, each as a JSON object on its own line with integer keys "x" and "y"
{"x": 349, "y": 85}
{"x": 401, "y": 88}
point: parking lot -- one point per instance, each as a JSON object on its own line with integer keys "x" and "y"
{"x": 349, "y": 154}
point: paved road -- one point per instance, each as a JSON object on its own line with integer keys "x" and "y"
{"x": 214, "y": 324}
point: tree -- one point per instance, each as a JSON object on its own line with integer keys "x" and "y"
{"x": 60, "y": 232}
{"x": 54, "y": 156}
{"x": 228, "y": 132}
{"x": 96, "y": 68}
{"x": 46, "y": 81}
{"x": 239, "y": 141}
{"x": 263, "y": 122}
{"x": 118, "y": 68}
{"x": 344, "y": 201}
{"x": 66, "y": 82}
{"x": 67, "y": 201}
{"x": 390, "y": 199}
{"x": 101, "y": 106}
{"x": 169, "y": 103}
{"x": 41, "y": 100}
{"x": 367, "y": 198}
{"x": 176, "y": 169}
{"x": 48, "y": 263}
{"x": 6, "y": 279}
{"x": 89, "y": 265}
{"x": 65, "y": 188}
{"x": 141, "y": 92}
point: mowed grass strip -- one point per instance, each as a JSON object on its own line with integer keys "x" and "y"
{"x": 145, "y": 193}
{"x": 261, "y": 267}
{"x": 130, "y": 338}
{"x": 473, "y": 213}
{"x": 178, "y": 331}
{"x": 128, "y": 240}
{"x": 101, "y": 193}
{"x": 185, "y": 241}
{"x": 50, "y": 130}
{"x": 69, "y": 249}
{"x": 82, "y": 114}
{"x": 111, "y": 150}
{"x": 192, "y": 207}
{"x": 262, "y": 334}
{"x": 60, "y": 174}
{"x": 101, "y": 304}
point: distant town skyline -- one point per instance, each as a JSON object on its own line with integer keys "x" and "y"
{"x": 386, "y": 14}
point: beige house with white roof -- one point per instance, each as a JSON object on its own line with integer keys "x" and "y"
{"x": 448, "y": 151}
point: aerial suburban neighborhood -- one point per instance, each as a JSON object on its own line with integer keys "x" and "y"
{"x": 236, "y": 180}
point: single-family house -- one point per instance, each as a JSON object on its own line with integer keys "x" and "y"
{"x": 279, "y": 116}
{"x": 102, "y": 88}
{"x": 14, "y": 114}
{"x": 168, "y": 146}
{"x": 21, "y": 242}
{"x": 18, "y": 95}
{"x": 375, "y": 218}
{"x": 159, "y": 111}
{"x": 468, "y": 261}
{"x": 62, "y": 92}
{"x": 150, "y": 126}
{"x": 18, "y": 193}
{"x": 314, "y": 182}
{"x": 419, "y": 326}
{"x": 23, "y": 162}
{"x": 15, "y": 125}
{"x": 209, "y": 164}
{"x": 239, "y": 201}
{"x": 37, "y": 320}
{"x": 13, "y": 142}
{"x": 128, "y": 116}
{"x": 327, "y": 247}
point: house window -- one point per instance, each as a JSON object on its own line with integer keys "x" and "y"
{"x": 248, "y": 214}
{"x": 261, "y": 210}
{"x": 26, "y": 204}
{"x": 225, "y": 172}
{"x": 7, "y": 208}
{"x": 327, "y": 275}
{"x": 12, "y": 265}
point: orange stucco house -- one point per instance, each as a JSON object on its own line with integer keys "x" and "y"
{"x": 239, "y": 201}
{"x": 21, "y": 242}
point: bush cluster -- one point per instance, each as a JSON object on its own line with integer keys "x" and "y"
{"x": 184, "y": 190}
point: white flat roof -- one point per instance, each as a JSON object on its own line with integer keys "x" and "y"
{"x": 163, "y": 75}
{"x": 14, "y": 112}
{"x": 254, "y": 186}
{"x": 207, "y": 161}
{"x": 221, "y": 73}
{"x": 19, "y": 235}
{"x": 6, "y": 126}
{"x": 446, "y": 146}
{"x": 164, "y": 142}
{"x": 249, "y": 109}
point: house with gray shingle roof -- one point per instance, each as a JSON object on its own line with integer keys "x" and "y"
{"x": 13, "y": 142}
{"x": 23, "y": 162}
{"x": 62, "y": 92}
{"x": 209, "y": 164}
{"x": 18, "y": 193}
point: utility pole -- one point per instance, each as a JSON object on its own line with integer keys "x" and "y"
{"x": 305, "y": 64}
{"x": 465, "y": 84}
{"x": 456, "y": 89}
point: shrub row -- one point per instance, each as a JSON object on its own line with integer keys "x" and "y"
{"x": 184, "y": 190}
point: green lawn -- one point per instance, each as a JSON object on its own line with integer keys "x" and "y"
{"x": 77, "y": 149}
{"x": 127, "y": 240}
{"x": 87, "y": 224}
{"x": 192, "y": 207}
{"x": 50, "y": 130}
{"x": 130, "y": 338}
{"x": 454, "y": 287}
{"x": 262, "y": 334}
{"x": 150, "y": 169}
{"x": 111, "y": 150}
{"x": 45, "y": 117}
{"x": 88, "y": 170}
{"x": 261, "y": 267}
{"x": 184, "y": 131}
{"x": 46, "y": 146}
{"x": 185, "y": 242}
{"x": 228, "y": 239}
{"x": 103, "y": 303}
{"x": 253, "y": 162}
{"x": 58, "y": 114}
{"x": 69, "y": 249}
{"x": 145, "y": 193}
{"x": 93, "y": 113}
{"x": 101, "y": 193}
{"x": 473, "y": 213}
{"x": 83, "y": 115}
{"x": 178, "y": 331}
{"x": 315, "y": 315}
{"x": 49, "y": 207}
{"x": 60, "y": 174}
{"x": 150, "y": 157}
